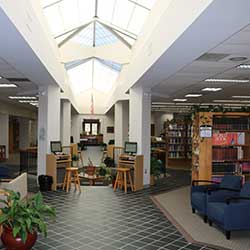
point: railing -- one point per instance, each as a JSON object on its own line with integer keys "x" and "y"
{"x": 28, "y": 160}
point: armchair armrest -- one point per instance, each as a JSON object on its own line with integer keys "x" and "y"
{"x": 228, "y": 200}
{"x": 197, "y": 181}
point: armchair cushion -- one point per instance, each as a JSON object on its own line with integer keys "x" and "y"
{"x": 215, "y": 211}
{"x": 231, "y": 181}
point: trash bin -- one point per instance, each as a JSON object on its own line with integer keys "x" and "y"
{"x": 45, "y": 182}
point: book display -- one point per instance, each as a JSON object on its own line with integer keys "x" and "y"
{"x": 178, "y": 143}
{"x": 228, "y": 149}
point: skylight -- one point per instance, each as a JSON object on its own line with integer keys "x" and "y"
{"x": 127, "y": 16}
{"x": 95, "y": 34}
{"x": 92, "y": 74}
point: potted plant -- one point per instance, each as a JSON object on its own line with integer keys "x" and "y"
{"x": 155, "y": 169}
{"x": 22, "y": 219}
{"x": 75, "y": 159}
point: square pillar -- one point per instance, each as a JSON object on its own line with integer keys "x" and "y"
{"x": 140, "y": 125}
{"x": 121, "y": 122}
{"x": 65, "y": 122}
{"x": 24, "y": 133}
{"x": 48, "y": 123}
{"x": 76, "y": 127}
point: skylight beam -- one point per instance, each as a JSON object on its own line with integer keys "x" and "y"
{"x": 140, "y": 5}
{"x": 51, "y": 4}
{"x": 78, "y": 30}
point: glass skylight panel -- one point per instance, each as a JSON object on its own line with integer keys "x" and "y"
{"x": 92, "y": 74}
{"x": 103, "y": 36}
{"x": 85, "y": 37}
{"x": 73, "y": 64}
{"x": 104, "y": 77}
{"x": 81, "y": 77}
{"x": 137, "y": 19}
{"x": 127, "y": 38}
{"x": 147, "y": 3}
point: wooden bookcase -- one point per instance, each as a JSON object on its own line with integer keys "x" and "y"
{"x": 227, "y": 151}
{"x": 178, "y": 144}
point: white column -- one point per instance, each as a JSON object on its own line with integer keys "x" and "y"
{"x": 48, "y": 123}
{"x": 4, "y": 132}
{"x": 24, "y": 133}
{"x": 65, "y": 122}
{"x": 139, "y": 125}
{"x": 121, "y": 123}
{"x": 76, "y": 127}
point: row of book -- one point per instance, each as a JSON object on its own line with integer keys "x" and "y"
{"x": 228, "y": 138}
{"x": 176, "y": 148}
{"x": 228, "y": 154}
{"x": 242, "y": 123}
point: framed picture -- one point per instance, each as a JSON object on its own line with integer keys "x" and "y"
{"x": 110, "y": 130}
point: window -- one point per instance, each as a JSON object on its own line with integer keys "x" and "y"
{"x": 91, "y": 126}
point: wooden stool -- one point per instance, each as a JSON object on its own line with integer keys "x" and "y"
{"x": 80, "y": 157}
{"x": 121, "y": 179}
{"x": 68, "y": 179}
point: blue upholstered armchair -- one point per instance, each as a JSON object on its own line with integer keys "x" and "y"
{"x": 232, "y": 213}
{"x": 227, "y": 187}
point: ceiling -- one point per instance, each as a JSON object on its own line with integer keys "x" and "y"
{"x": 215, "y": 63}
{"x": 24, "y": 87}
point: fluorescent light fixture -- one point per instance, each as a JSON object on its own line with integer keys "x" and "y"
{"x": 227, "y": 80}
{"x": 193, "y": 95}
{"x": 230, "y": 101}
{"x": 243, "y": 66}
{"x": 23, "y": 97}
{"x": 28, "y": 101}
{"x": 180, "y": 100}
{"x": 8, "y": 85}
{"x": 1, "y": 77}
{"x": 241, "y": 96}
{"x": 212, "y": 89}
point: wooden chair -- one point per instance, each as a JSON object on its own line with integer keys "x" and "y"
{"x": 122, "y": 181}
{"x": 68, "y": 179}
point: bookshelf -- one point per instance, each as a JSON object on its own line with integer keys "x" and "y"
{"x": 227, "y": 151}
{"x": 178, "y": 143}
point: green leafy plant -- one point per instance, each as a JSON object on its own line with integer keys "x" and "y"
{"x": 156, "y": 166}
{"x": 25, "y": 216}
{"x": 75, "y": 158}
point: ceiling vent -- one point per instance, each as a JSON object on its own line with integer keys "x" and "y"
{"x": 212, "y": 57}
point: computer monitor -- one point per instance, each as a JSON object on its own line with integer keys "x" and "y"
{"x": 130, "y": 148}
{"x": 55, "y": 147}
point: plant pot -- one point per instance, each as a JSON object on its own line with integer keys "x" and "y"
{"x": 152, "y": 180}
{"x": 12, "y": 243}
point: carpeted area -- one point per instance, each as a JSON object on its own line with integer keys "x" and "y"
{"x": 176, "y": 206}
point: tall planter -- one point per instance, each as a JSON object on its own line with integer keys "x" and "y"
{"x": 16, "y": 243}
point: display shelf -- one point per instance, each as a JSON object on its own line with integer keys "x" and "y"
{"x": 227, "y": 152}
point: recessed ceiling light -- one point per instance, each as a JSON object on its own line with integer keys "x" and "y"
{"x": 212, "y": 89}
{"x": 8, "y": 85}
{"x": 238, "y": 58}
{"x": 243, "y": 66}
{"x": 22, "y": 97}
{"x": 180, "y": 100}
{"x": 227, "y": 80}
{"x": 193, "y": 95}
{"x": 1, "y": 77}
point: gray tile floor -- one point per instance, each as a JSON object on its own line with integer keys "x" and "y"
{"x": 98, "y": 218}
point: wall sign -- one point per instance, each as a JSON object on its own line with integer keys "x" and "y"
{"x": 206, "y": 131}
